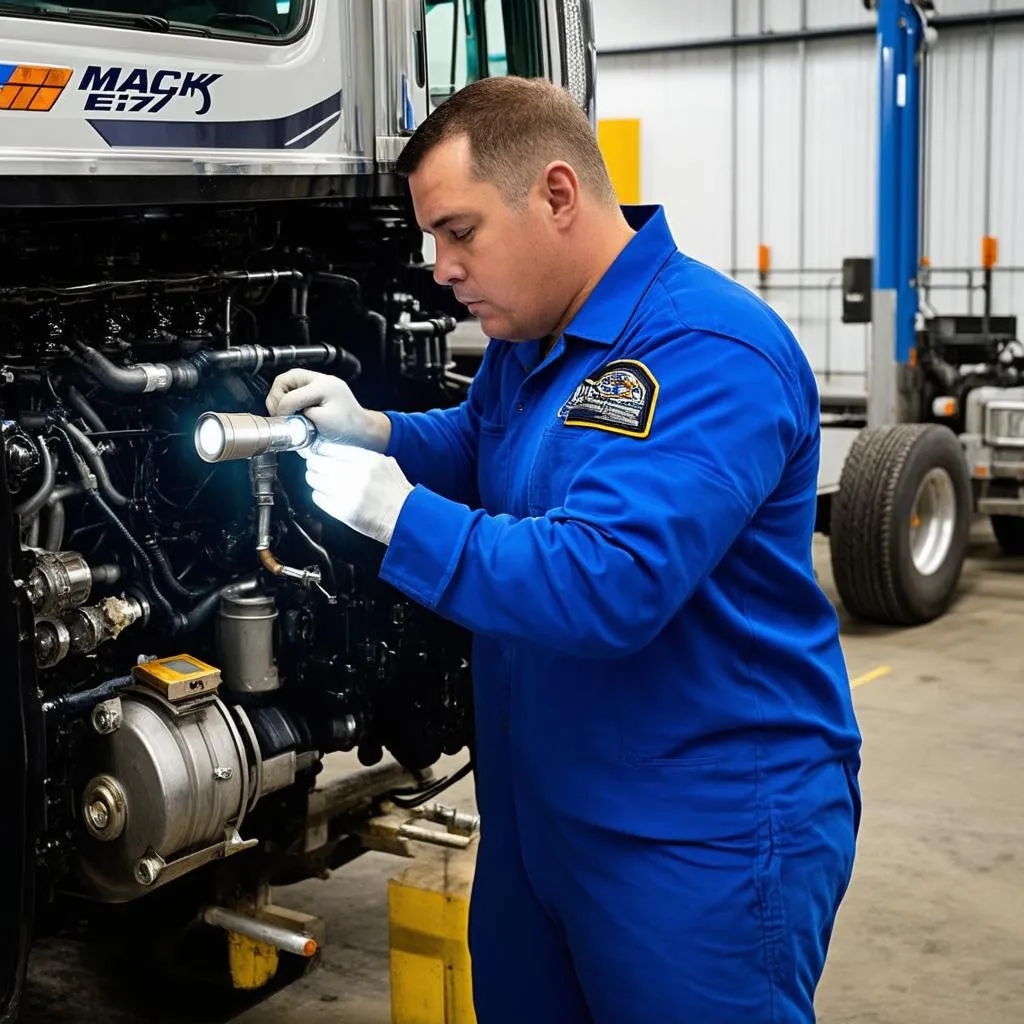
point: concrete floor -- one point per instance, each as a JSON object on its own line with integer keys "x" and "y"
{"x": 932, "y": 929}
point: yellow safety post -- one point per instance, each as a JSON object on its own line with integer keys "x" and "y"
{"x": 428, "y": 920}
{"x": 619, "y": 140}
{"x": 253, "y": 963}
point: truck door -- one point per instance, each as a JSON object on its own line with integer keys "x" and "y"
{"x": 467, "y": 40}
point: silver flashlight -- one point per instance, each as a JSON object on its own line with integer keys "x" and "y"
{"x": 220, "y": 436}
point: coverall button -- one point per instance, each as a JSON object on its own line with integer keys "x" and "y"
{"x": 520, "y": 407}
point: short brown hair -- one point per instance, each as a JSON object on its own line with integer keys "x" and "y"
{"x": 515, "y": 127}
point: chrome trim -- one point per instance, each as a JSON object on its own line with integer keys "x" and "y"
{"x": 993, "y": 428}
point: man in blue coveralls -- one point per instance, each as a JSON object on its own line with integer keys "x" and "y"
{"x": 622, "y": 513}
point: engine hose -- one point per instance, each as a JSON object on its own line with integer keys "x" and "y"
{"x": 163, "y": 566}
{"x": 55, "y": 526}
{"x": 166, "y": 607}
{"x": 31, "y": 539}
{"x": 86, "y": 700}
{"x": 349, "y": 366}
{"x": 31, "y": 505}
{"x": 201, "y": 613}
{"x": 328, "y": 566}
{"x": 130, "y": 380}
{"x": 81, "y": 405}
{"x": 96, "y": 464}
{"x": 186, "y": 373}
{"x": 319, "y": 549}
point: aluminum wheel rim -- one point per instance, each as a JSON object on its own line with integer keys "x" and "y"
{"x": 933, "y": 521}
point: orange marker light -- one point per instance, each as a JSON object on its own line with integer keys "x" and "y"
{"x": 989, "y": 251}
{"x": 31, "y": 87}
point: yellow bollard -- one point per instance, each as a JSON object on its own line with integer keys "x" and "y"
{"x": 428, "y": 920}
{"x": 252, "y": 963}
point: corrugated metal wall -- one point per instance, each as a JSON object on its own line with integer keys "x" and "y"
{"x": 776, "y": 145}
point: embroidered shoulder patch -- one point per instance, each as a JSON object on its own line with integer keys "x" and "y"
{"x": 619, "y": 397}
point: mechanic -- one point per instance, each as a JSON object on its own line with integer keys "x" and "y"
{"x": 621, "y": 512}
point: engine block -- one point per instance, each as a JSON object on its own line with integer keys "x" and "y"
{"x": 117, "y": 331}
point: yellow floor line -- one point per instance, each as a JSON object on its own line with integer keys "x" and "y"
{"x": 870, "y": 677}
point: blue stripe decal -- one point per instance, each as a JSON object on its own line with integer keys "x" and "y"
{"x": 295, "y": 131}
{"x": 6, "y": 70}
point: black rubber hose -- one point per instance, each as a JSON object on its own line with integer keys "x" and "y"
{"x": 163, "y": 565}
{"x": 81, "y": 405}
{"x": 32, "y": 533}
{"x": 55, "y": 526}
{"x": 329, "y": 577}
{"x": 64, "y": 491}
{"x": 346, "y": 284}
{"x": 31, "y": 505}
{"x": 131, "y": 380}
{"x": 86, "y": 700}
{"x": 202, "y": 611}
{"x": 321, "y": 551}
{"x": 168, "y": 609}
{"x": 96, "y": 464}
{"x": 58, "y": 516}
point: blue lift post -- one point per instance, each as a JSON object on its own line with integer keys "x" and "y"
{"x": 901, "y": 37}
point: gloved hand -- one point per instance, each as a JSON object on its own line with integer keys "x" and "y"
{"x": 362, "y": 489}
{"x": 328, "y": 402}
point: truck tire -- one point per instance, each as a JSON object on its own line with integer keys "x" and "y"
{"x": 901, "y": 523}
{"x": 1009, "y": 531}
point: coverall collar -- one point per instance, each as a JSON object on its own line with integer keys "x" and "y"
{"x": 610, "y": 306}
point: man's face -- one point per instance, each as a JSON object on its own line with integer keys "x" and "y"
{"x": 503, "y": 264}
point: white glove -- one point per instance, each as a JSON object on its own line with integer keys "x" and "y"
{"x": 329, "y": 404}
{"x": 362, "y": 489}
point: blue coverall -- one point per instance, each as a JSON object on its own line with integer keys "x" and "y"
{"x": 666, "y": 748}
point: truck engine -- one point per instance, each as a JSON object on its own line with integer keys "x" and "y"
{"x": 197, "y": 636}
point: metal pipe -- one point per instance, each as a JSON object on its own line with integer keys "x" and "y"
{"x": 261, "y": 931}
{"x": 813, "y": 35}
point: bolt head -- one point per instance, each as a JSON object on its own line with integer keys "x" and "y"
{"x": 146, "y": 871}
{"x": 99, "y": 815}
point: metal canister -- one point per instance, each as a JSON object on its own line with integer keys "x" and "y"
{"x": 245, "y": 643}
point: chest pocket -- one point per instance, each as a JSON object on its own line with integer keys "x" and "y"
{"x": 562, "y": 454}
{"x": 492, "y": 467}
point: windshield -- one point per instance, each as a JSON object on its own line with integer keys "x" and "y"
{"x": 257, "y": 18}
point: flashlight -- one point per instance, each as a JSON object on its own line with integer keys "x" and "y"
{"x": 220, "y": 436}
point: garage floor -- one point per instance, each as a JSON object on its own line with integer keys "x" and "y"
{"x": 932, "y": 929}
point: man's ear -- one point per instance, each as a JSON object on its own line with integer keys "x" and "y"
{"x": 561, "y": 190}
